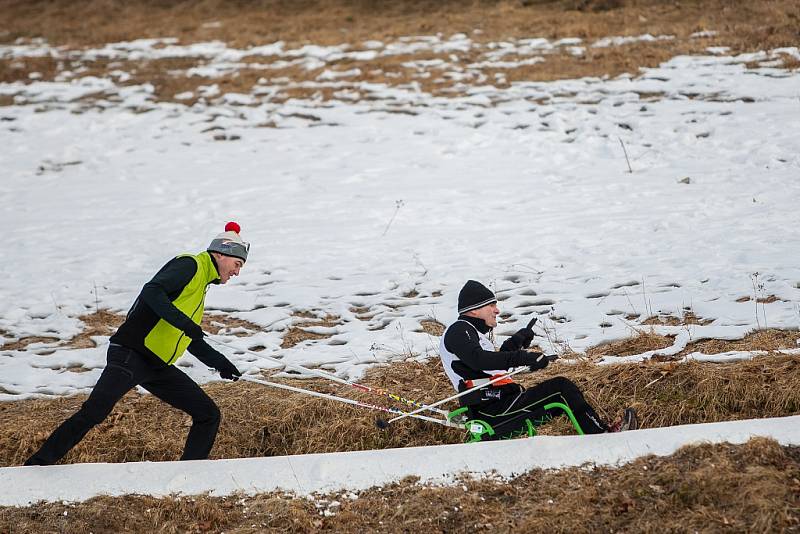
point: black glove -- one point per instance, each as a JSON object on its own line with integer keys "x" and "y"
{"x": 193, "y": 331}
{"x": 521, "y": 339}
{"x": 227, "y": 370}
{"x": 537, "y": 361}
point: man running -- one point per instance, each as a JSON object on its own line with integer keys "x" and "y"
{"x": 163, "y": 322}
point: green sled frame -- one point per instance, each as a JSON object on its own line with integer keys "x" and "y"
{"x": 480, "y": 430}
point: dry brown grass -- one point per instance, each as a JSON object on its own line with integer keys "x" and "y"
{"x": 297, "y": 333}
{"x": 686, "y": 318}
{"x": 771, "y": 339}
{"x": 21, "y": 69}
{"x": 258, "y": 421}
{"x": 765, "y": 24}
{"x": 362, "y": 313}
{"x": 432, "y": 327}
{"x": 791, "y": 63}
{"x": 216, "y": 322}
{"x": 105, "y": 323}
{"x": 670, "y": 394}
{"x": 643, "y": 341}
{"x": 753, "y": 487}
{"x": 761, "y": 300}
{"x": 99, "y": 323}
{"x": 747, "y": 27}
{"x": 23, "y": 343}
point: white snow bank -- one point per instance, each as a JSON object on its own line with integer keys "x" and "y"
{"x": 312, "y": 473}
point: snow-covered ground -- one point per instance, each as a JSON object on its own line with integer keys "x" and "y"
{"x": 354, "y": 208}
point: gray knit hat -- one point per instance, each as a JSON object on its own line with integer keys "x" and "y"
{"x": 230, "y": 243}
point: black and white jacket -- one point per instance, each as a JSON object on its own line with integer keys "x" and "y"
{"x": 467, "y": 353}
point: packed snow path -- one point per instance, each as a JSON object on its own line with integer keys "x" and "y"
{"x": 306, "y": 474}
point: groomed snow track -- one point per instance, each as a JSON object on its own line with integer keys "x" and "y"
{"x": 306, "y": 474}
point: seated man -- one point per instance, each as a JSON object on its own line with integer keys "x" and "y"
{"x": 469, "y": 359}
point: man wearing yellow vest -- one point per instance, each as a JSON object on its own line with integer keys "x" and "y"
{"x": 163, "y": 322}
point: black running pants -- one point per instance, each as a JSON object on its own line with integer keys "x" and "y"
{"x": 509, "y": 415}
{"x": 125, "y": 370}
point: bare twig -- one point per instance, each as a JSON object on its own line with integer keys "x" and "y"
{"x": 647, "y": 304}
{"x": 419, "y": 262}
{"x": 626, "y": 155}
{"x": 758, "y": 289}
{"x": 398, "y": 204}
{"x": 625, "y": 292}
{"x": 55, "y": 303}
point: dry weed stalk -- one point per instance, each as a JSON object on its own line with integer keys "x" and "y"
{"x": 397, "y": 205}
{"x": 625, "y": 151}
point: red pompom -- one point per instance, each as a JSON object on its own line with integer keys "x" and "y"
{"x": 233, "y": 227}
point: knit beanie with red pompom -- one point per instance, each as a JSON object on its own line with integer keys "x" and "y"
{"x": 230, "y": 242}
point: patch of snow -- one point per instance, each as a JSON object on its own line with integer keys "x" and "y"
{"x": 705, "y": 33}
{"x": 618, "y": 41}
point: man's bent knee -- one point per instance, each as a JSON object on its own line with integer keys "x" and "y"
{"x": 209, "y": 416}
{"x": 95, "y": 410}
{"x": 564, "y": 384}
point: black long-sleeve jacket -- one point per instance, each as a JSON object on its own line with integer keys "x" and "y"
{"x": 461, "y": 340}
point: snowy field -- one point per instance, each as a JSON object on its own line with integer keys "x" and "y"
{"x": 377, "y": 206}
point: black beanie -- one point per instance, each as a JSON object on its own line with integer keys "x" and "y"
{"x": 474, "y": 295}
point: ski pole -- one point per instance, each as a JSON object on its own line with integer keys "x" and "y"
{"x": 349, "y": 401}
{"x": 392, "y": 396}
{"x": 334, "y": 378}
{"x": 492, "y": 381}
